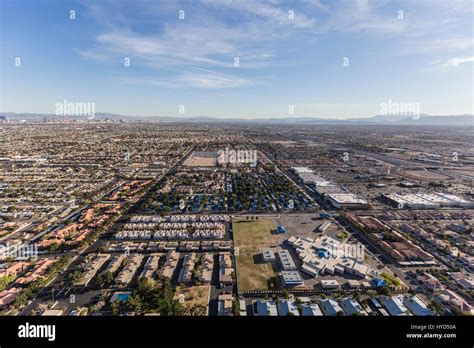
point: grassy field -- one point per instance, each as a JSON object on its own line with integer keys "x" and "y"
{"x": 250, "y": 237}
{"x": 390, "y": 280}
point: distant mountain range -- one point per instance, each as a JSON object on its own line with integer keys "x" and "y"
{"x": 423, "y": 119}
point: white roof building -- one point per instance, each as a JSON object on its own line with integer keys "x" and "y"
{"x": 291, "y": 278}
{"x": 286, "y": 260}
{"x": 243, "y": 308}
{"x": 422, "y": 200}
{"x": 341, "y": 200}
{"x": 330, "y": 307}
{"x": 329, "y": 283}
{"x": 416, "y": 306}
{"x": 311, "y": 310}
{"x": 352, "y": 307}
{"x": 287, "y": 307}
{"x": 326, "y": 255}
{"x": 302, "y": 170}
{"x": 394, "y": 305}
{"x": 268, "y": 255}
{"x": 457, "y": 201}
{"x": 415, "y": 201}
{"x": 266, "y": 308}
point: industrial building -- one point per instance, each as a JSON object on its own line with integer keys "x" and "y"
{"x": 426, "y": 200}
{"x": 347, "y": 200}
{"x": 335, "y": 195}
{"x": 308, "y": 177}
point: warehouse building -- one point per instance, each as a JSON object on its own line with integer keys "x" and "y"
{"x": 347, "y": 200}
{"x": 426, "y": 200}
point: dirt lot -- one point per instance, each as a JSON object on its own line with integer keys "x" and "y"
{"x": 194, "y": 295}
{"x": 425, "y": 175}
{"x": 304, "y": 225}
{"x": 251, "y": 237}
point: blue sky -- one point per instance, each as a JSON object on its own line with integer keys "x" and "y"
{"x": 403, "y": 51}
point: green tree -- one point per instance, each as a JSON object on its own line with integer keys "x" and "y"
{"x": 134, "y": 303}
{"x": 53, "y": 247}
{"x": 74, "y": 276}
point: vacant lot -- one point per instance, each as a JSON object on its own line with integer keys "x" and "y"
{"x": 425, "y": 175}
{"x": 251, "y": 237}
{"x": 193, "y": 295}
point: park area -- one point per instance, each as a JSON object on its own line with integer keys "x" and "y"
{"x": 250, "y": 237}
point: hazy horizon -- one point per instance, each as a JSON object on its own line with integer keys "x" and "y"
{"x": 231, "y": 117}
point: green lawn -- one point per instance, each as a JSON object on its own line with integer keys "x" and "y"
{"x": 250, "y": 237}
{"x": 5, "y": 281}
{"x": 390, "y": 280}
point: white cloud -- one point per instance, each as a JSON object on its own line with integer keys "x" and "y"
{"x": 201, "y": 78}
{"x": 93, "y": 55}
{"x": 460, "y": 43}
{"x": 363, "y": 16}
{"x": 454, "y": 62}
{"x": 212, "y": 79}
{"x": 320, "y": 6}
{"x": 208, "y": 44}
{"x": 205, "y": 39}
{"x": 256, "y": 32}
{"x": 147, "y": 81}
{"x": 272, "y": 12}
